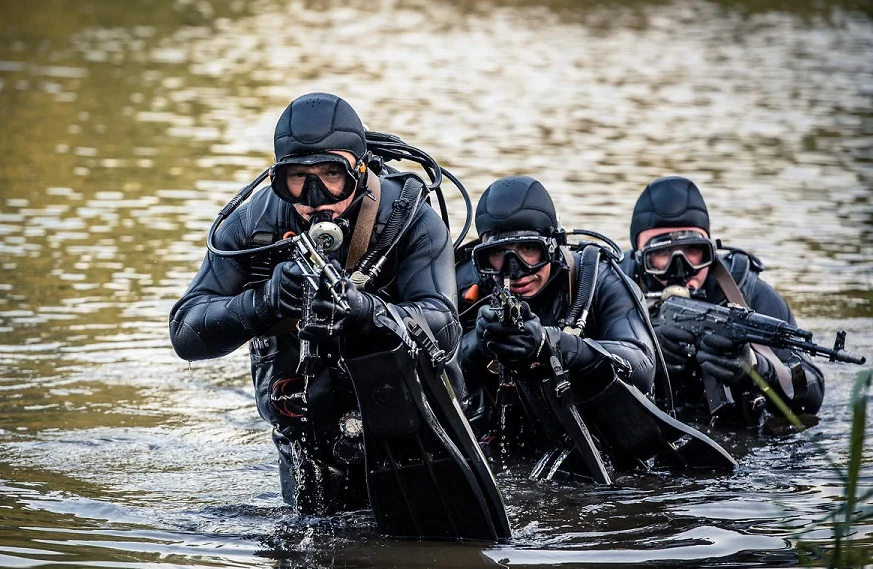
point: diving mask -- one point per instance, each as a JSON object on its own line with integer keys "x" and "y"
{"x": 679, "y": 254}
{"x": 316, "y": 179}
{"x": 513, "y": 254}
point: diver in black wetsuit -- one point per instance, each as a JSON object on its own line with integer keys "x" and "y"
{"x": 365, "y": 393}
{"x": 579, "y": 354}
{"x": 671, "y": 243}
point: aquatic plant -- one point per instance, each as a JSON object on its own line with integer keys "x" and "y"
{"x": 775, "y": 399}
{"x": 852, "y": 509}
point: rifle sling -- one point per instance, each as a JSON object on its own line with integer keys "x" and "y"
{"x": 366, "y": 221}
{"x": 732, "y": 293}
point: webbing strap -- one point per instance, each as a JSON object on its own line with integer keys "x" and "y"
{"x": 366, "y": 222}
{"x": 732, "y": 293}
{"x": 261, "y": 263}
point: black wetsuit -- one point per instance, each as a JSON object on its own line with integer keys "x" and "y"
{"x": 218, "y": 313}
{"x": 614, "y": 322}
{"x": 762, "y": 298}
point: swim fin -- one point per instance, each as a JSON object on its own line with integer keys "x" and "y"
{"x": 635, "y": 430}
{"x": 426, "y": 475}
{"x": 550, "y": 410}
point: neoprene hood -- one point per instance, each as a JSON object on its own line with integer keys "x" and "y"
{"x": 673, "y": 201}
{"x": 516, "y": 203}
{"x": 318, "y": 122}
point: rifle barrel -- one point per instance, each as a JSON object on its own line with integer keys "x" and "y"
{"x": 848, "y": 357}
{"x": 844, "y": 356}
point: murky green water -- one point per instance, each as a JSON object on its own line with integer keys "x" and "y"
{"x": 127, "y": 125}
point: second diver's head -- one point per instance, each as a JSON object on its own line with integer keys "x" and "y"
{"x": 670, "y": 234}
{"x": 519, "y": 232}
{"x": 321, "y": 155}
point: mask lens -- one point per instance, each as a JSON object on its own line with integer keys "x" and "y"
{"x": 331, "y": 174}
{"x": 324, "y": 182}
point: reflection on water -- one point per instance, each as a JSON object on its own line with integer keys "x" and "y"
{"x": 128, "y": 125}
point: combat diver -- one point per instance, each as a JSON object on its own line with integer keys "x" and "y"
{"x": 348, "y": 358}
{"x": 557, "y": 351}
{"x": 672, "y": 246}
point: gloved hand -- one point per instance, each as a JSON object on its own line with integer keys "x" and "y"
{"x": 509, "y": 344}
{"x": 331, "y": 319}
{"x": 677, "y": 345}
{"x": 282, "y": 293}
{"x": 724, "y": 360}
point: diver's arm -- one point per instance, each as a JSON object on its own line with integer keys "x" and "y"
{"x": 618, "y": 327}
{"x": 216, "y": 315}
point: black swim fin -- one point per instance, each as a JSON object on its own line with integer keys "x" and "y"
{"x": 547, "y": 404}
{"x": 635, "y": 430}
{"x": 426, "y": 475}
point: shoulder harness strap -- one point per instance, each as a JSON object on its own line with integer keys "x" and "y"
{"x": 403, "y": 208}
{"x": 261, "y": 263}
{"x": 366, "y": 221}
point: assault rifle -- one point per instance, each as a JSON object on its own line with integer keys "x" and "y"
{"x": 510, "y": 306}
{"x": 743, "y": 325}
{"x": 308, "y": 252}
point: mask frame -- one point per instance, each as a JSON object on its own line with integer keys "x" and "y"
{"x": 315, "y": 192}
{"x": 675, "y": 244}
{"x": 513, "y": 265}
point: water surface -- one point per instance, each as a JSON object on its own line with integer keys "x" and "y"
{"x": 126, "y": 126}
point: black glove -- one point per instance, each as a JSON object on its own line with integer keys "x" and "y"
{"x": 331, "y": 319}
{"x": 281, "y": 295}
{"x": 472, "y": 349}
{"x": 677, "y": 345}
{"x": 721, "y": 358}
{"x": 509, "y": 344}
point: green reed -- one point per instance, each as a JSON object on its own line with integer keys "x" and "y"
{"x": 852, "y": 509}
{"x": 840, "y": 552}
